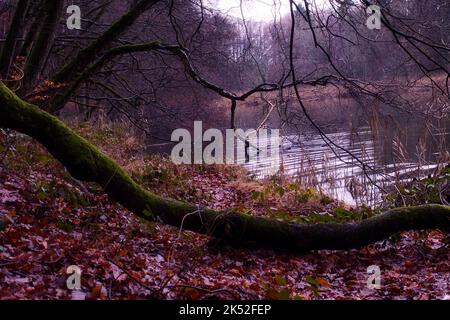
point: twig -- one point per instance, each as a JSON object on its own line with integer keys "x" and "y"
{"x": 187, "y": 215}
{"x": 7, "y": 263}
{"x": 208, "y": 291}
{"x": 130, "y": 275}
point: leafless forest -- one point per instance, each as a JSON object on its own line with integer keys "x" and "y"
{"x": 91, "y": 93}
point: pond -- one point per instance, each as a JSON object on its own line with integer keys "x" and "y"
{"x": 389, "y": 155}
{"x": 370, "y": 158}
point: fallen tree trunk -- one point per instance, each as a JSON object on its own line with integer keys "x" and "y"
{"x": 87, "y": 163}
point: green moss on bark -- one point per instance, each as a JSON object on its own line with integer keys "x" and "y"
{"x": 86, "y": 162}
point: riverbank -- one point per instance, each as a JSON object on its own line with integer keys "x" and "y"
{"x": 51, "y": 221}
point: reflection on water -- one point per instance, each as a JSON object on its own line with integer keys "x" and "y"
{"x": 394, "y": 148}
{"x": 389, "y": 154}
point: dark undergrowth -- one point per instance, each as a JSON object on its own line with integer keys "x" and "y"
{"x": 49, "y": 221}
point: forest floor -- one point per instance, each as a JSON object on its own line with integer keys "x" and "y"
{"x": 49, "y": 221}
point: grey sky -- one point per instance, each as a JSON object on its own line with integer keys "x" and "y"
{"x": 256, "y": 10}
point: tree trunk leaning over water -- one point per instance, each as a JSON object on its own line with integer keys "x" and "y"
{"x": 87, "y": 163}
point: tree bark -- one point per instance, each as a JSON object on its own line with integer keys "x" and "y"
{"x": 88, "y": 54}
{"x": 35, "y": 25}
{"x": 44, "y": 41}
{"x": 87, "y": 163}
{"x": 9, "y": 47}
{"x": 62, "y": 96}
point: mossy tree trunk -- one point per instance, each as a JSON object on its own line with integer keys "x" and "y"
{"x": 86, "y": 162}
{"x": 94, "y": 56}
{"x": 85, "y": 56}
{"x": 61, "y": 97}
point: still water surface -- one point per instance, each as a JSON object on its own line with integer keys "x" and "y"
{"x": 389, "y": 155}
